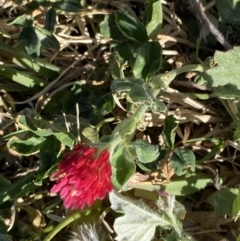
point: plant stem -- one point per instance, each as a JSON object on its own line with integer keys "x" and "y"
{"x": 71, "y": 218}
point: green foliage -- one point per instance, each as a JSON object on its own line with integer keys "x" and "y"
{"x": 130, "y": 27}
{"x": 124, "y": 85}
{"x": 123, "y": 166}
{"x": 140, "y": 221}
{"x": 169, "y": 131}
{"x": 179, "y": 186}
{"x": 138, "y": 94}
{"x": 47, "y": 39}
{"x": 139, "y": 77}
{"x": 33, "y": 37}
{"x": 3, "y": 227}
{"x": 227, "y": 91}
{"x": 21, "y": 20}
{"x": 183, "y": 161}
{"x": 226, "y": 70}
{"x": 109, "y": 29}
{"x": 27, "y": 145}
{"x": 31, "y": 121}
{"x": 236, "y": 206}
{"x": 236, "y": 125}
{"x": 68, "y": 6}
{"x": 154, "y": 18}
{"x": 145, "y": 152}
{"x": 49, "y": 153}
{"x": 148, "y": 60}
{"x": 29, "y": 41}
{"x": 223, "y": 200}
{"x": 50, "y": 20}
{"x": 19, "y": 188}
{"x": 66, "y": 101}
{"x": 20, "y": 77}
{"x": 105, "y": 104}
{"x": 228, "y": 11}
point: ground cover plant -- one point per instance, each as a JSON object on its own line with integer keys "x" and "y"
{"x": 119, "y": 120}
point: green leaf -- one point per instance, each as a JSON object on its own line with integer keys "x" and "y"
{"x": 222, "y": 200}
{"x": 228, "y": 91}
{"x": 154, "y": 18}
{"x": 88, "y": 131}
{"x": 48, "y": 40}
{"x": 3, "y": 228}
{"x": 183, "y": 161}
{"x": 169, "y": 131}
{"x": 139, "y": 222}
{"x": 26, "y": 147}
{"x": 157, "y": 105}
{"x": 109, "y": 29}
{"x": 19, "y": 188}
{"x": 91, "y": 134}
{"x": 21, "y": 20}
{"x": 20, "y": 58}
{"x": 126, "y": 129}
{"x": 21, "y": 77}
{"x": 30, "y": 120}
{"x": 179, "y": 186}
{"x": 68, "y": 6}
{"x": 236, "y": 206}
{"x": 123, "y": 166}
{"x": 226, "y": 70}
{"x": 124, "y": 85}
{"x": 138, "y": 94}
{"x": 64, "y": 138}
{"x": 115, "y": 68}
{"x": 105, "y": 104}
{"x": 236, "y": 125}
{"x": 29, "y": 41}
{"x": 50, "y": 19}
{"x": 146, "y": 152}
{"x": 148, "y": 60}
{"x": 49, "y": 153}
{"x": 229, "y": 11}
{"x": 65, "y": 101}
{"x": 130, "y": 27}
{"x": 163, "y": 80}
{"x": 126, "y": 51}
{"x": 4, "y": 182}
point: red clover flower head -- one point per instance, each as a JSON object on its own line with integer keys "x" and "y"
{"x": 83, "y": 176}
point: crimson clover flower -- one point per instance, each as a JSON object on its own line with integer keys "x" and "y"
{"x": 83, "y": 176}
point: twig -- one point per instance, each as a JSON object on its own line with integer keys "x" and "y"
{"x": 218, "y": 35}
